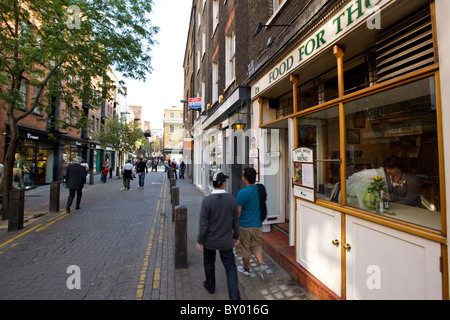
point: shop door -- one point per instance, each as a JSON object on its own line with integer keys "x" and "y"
{"x": 383, "y": 263}
{"x": 274, "y": 170}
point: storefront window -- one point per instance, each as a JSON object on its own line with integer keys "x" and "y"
{"x": 215, "y": 156}
{"x": 320, "y": 131}
{"x": 392, "y": 154}
{"x": 24, "y": 171}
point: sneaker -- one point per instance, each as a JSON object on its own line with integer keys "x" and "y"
{"x": 245, "y": 272}
{"x": 263, "y": 272}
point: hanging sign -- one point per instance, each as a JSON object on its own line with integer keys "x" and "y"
{"x": 303, "y": 173}
{"x": 195, "y": 103}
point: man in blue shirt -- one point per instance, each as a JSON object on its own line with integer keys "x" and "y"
{"x": 250, "y": 224}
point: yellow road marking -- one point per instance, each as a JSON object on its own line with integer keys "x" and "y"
{"x": 145, "y": 264}
{"x": 40, "y": 226}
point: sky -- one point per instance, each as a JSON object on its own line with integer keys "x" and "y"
{"x": 164, "y": 87}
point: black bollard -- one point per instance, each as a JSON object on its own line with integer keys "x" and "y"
{"x": 175, "y": 200}
{"x": 173, "y": 183}
{"x": 180, "y": 237}
{"x": 54, "y": 197}
{"x": 16, "y": 209}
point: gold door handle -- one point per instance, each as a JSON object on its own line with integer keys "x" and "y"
{"x": 347, "y": 247}
{"x": 335, "y": 242}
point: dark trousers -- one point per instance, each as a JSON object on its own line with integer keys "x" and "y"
{"x": 72, "y": 196}
{"x": 227, "y": 257}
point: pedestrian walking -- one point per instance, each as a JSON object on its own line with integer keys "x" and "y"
{"x": 86, "y": 166}
{"x": 219, "y": 230}
{"x": 182, "y": 168}
{"x": 249, "y": 206}
{"x": 174, "y": 167}
{"x": 127, "y": 174}
{"x": 75, "y": 180}
{"x": 141, "y": 170}
{"x": 168, "y": 167}
{"x": 105, "y": 171}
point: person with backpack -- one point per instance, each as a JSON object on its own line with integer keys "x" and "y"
{"x": 252, "y": 211}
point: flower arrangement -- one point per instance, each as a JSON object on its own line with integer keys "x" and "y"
{"x": 377, "y": 185}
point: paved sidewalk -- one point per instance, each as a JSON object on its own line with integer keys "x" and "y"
{"x": 122, "y": 241}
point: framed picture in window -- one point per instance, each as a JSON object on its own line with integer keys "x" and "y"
{"x": 353, "y": 136}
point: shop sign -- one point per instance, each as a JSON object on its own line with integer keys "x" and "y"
{"x": 30, "y": 136}
{"x": 334, "y": 29}
{"x": 303, "y": 155}
{"x": 195, "y": 103}
{"x": 303, "y": 173}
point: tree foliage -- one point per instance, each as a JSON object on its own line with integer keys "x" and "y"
{"x": 64, "y": 49}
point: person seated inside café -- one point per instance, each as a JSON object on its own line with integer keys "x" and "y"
{"x": 403, "y": 187}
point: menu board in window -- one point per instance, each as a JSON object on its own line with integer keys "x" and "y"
{"x": 303, "y": 173}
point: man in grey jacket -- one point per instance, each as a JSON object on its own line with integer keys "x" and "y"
{"x": 219, "y": 230}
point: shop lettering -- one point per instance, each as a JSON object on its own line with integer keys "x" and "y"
{"x": 30, "y": 136}
{"x": 353, "y": 14}
{"x": 282, "y": 69}
{"x": 312, "y": 45}
{"x": 329, "y": 33}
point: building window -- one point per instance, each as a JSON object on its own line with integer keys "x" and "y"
{"x": 203, "y": 95}
{"x": 203, "y": 44}
{"x": 277, "y": 4}
{"x": 215, "y": 14}
{"x": 320, "y": 132}
{"x": 37, "y": 110}
{"x": 68, "y": 114}
{"x": 24, "y": 93}
{"x": 393, "y": 134}
{"x": 171, "y": 129}
{"x": 172, "y": 115}
{"x": 230, "y": 51}
{"x": 215, "y": 82}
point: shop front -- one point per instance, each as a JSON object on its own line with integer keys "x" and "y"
{"x": 33, "y": 161}
{"x": 358, "y": 115}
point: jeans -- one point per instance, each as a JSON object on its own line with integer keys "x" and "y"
{"x": 182, "y": 173}
{"x": 141, "y": 179}
{"x": 227, "y": 257}
{"x": 104, "y": 177}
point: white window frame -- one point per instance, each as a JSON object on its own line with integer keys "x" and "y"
{"x": 276, "y": 8}
{"x": 230, "y": 53}
{"x": 215, "y": 82}
{"x": 215, "y": 16}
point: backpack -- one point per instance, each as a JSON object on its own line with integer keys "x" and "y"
{"x": 262, "y": 201}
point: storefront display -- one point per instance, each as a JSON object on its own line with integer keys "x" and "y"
{"x": 37, "y": 164}
{"x": 370, "y": 111}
